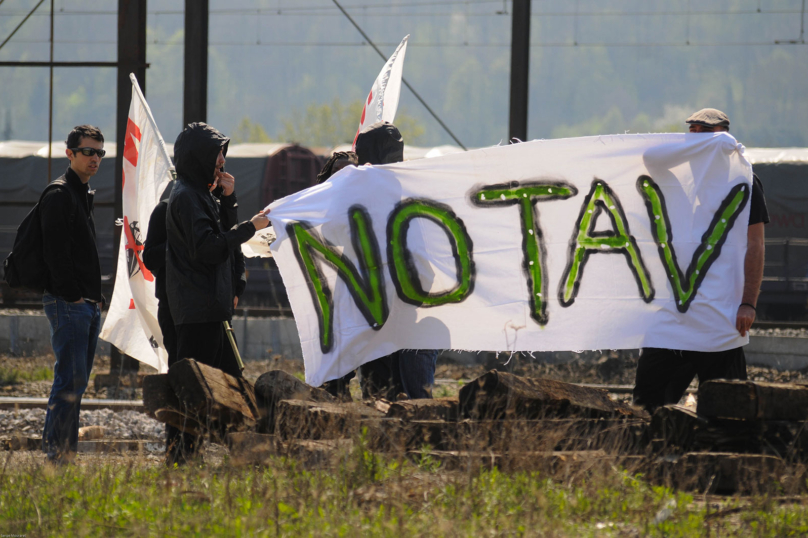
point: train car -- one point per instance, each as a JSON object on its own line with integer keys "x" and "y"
{"x": 784, "y": 174}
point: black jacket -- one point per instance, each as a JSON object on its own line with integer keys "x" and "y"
{"x": 68, "y": 238}
{"x": 154, "y": 251}
{"x": 199, "y": 281}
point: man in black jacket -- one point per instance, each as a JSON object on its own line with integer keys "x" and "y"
{"x": 73, "y": 294}
{"x": 199, "y": 255}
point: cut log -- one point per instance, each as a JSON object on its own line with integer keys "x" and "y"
{"x": 277, "y": 385}
{"x": 182, "y": 422}
{"x": 722, "y": 473}
{"x": 297, "y": 419}
{"x": 615, "y": 436}
{"x": 20, "y": 442}
{"x": 212, "y": 396}
{"x": 674, "y": 428}
{"x": 500, "y": 395}
{"x": 158, "y": 394}
{"x": 751, "y": 400}
{"x": 425, "y": 409}
{"x": 91, "y": 433}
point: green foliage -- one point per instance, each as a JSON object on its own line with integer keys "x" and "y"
{"x": 335, "y": 123}
{"x": 249, "y": 131}
{"x": 364, "y": 495}
{"x": 14, "y": 376}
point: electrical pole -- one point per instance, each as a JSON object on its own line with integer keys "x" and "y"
{"x": 520, "y": 68}
{"x": 195, "y": 83}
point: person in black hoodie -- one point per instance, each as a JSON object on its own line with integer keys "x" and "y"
{"x": 199, "y": 256}
{"x": 409, "y": 370}
{"x": 73, "y": 294}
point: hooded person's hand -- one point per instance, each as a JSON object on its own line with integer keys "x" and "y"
{"x": 260, "y": 221}
{"x": 226, "y": 182}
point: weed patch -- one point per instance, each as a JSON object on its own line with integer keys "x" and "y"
{"x": 366, "y": 494}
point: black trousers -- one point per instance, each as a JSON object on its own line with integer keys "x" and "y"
{"x": 206, "y": 343}
{"x": 166, "y": 322}
{"x": 663, "y": 375}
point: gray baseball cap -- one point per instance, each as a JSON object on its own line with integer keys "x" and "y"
{"x": 709, "y": 117}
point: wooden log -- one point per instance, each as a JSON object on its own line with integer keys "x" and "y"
{"x": 277, "y": 385}
{"x": 180, "y": 421}
{"x": 674, "y": 428}
{"x": 615, "y": 436}
{"x": 297, "y": 419}
{"x": 21, "y": 443}
{"x": 721, "y": 473}
{"x": 752, "y": 400}
{"x": 158, "y": 394}
{"x": 91, "y": 433}
{"x": 500, "y": 395}
{"x": 212, "y": 396}
{"x": 425, "y": 409}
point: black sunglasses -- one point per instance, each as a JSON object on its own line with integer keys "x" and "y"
{"x": 89, "y": 152}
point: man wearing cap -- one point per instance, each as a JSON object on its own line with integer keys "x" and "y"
{"x": 663, "y": 375}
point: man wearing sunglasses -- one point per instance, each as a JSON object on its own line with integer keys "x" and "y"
{"x": 72, "y": 297}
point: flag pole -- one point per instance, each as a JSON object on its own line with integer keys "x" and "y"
{"x": 160, "y": 141}
{"x": 229, "y": 330}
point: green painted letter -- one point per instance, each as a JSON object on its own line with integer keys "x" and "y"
{"x": 402, "y": 266}
{"x": 586, "y": 241}
{"x": 366, "y": 285}
{"x": 685, "y": 286}
{"x": 525, "y": 195}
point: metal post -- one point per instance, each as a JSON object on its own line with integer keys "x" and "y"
{"x": 520, "y": 67}
{"x": 50, "y": 102}
{"x": 195, "y": 83}
{"x": 131, "y": 59}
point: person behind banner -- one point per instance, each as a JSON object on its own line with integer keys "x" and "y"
{"x": 154, "y": 258}
{"x": 410, "y": 370}
{"x": 72, "y": 296}
{"x": 199, "y": 257}
{"x": 663, "y": 375}
{"x": 340, "y": 387}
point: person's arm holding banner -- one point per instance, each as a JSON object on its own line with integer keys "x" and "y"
{"x": 753, "y": 277}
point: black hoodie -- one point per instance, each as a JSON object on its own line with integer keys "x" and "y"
{"x": 198, "y": 256}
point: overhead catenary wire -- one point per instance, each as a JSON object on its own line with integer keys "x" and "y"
{"x": 21, "y": 23}
{"x": 404, "y": 80}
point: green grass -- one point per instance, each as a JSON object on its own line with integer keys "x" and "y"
{"x": 363, "y": 494}
{"x": 15, "y": 376}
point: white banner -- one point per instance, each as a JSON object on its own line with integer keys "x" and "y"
{"x": 382, "y": 101}
{"x": 608, "y": 242}
{"x": 131, "y": 323}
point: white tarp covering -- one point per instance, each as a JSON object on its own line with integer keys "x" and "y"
{"x": 131, "y": 323}
{"x": 566, "y": 244}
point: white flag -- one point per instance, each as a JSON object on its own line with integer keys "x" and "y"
{"x": 382, "y": 101}
{"x": 131, "y": 323}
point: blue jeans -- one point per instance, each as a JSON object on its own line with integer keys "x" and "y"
{"x": 417, "y": 369}
{"x": 74, "y": 336}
